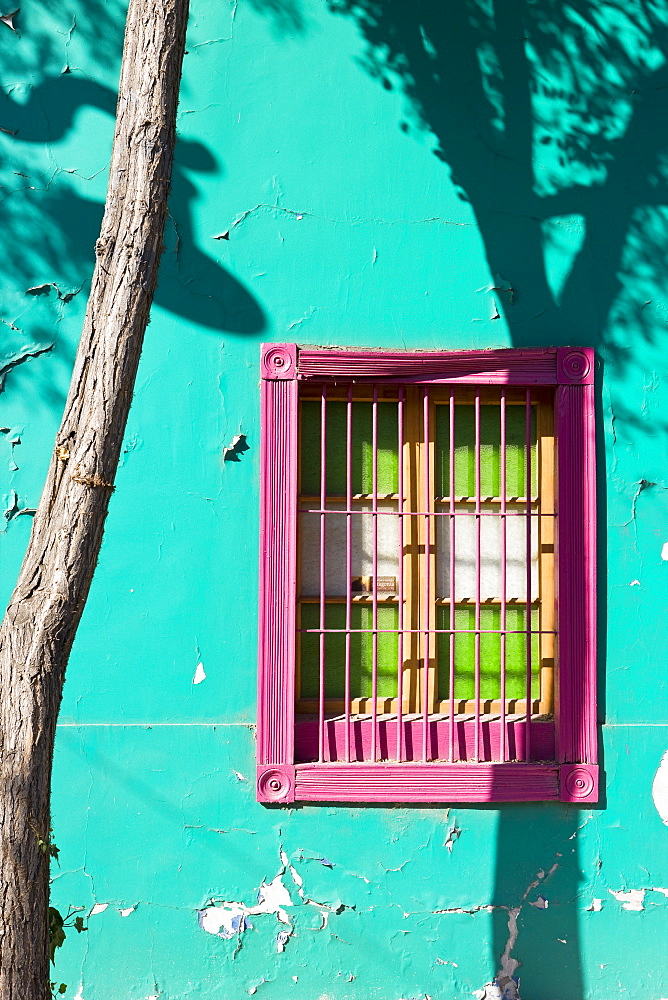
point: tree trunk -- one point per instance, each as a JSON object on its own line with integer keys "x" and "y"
{"x": 45, "y": 609}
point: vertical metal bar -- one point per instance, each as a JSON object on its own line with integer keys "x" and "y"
{"x": 374, "y": 640}
{"x": 504, "y": 575}
{"x": 349, "y": 568}
{"x": 476, "y": 740}
{"x": 451, "y": 519}
{"x": 527, "y": 426}
{"x": 323, "y": 537}
{"x": 426, "y": 611}
{"x": 400, "y": 595}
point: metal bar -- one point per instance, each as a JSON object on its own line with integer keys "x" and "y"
{"x": 374, "y": 508}
{"x": 349, "y": 567}
{"x": 434, "y": 631}
{"x": 426, "y": 610}
{"x": 451, "y": 475}
{"x": 476, "y": 738}
{"x": 425, "y": 513}
{"x": 527, "y": 428}
{"x": 504, "y": 575}
{"x": 400, "y": 623}
{"x": 323, "y": 540}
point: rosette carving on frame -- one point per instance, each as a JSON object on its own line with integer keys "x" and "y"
{"x": 575, "y": 365}
{"x": 279, "y": 361}
{"x": 275, "y": 783}
{"x": 579, "y": 782}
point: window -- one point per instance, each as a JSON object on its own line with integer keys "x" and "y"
{"x": 427, "y": 616}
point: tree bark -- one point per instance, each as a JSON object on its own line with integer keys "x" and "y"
{"x": 45, "y": 609}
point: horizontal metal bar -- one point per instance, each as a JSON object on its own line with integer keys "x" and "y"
{"x": 431, "y": 631}
{"x": 424, "y": 513}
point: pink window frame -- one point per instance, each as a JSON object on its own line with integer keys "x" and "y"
{"x": 573, "y": 775}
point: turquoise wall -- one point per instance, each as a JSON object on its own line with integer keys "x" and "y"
{"x": 419, "y": 175}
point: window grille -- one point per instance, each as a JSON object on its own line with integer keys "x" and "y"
{"x": 410, "y": 551}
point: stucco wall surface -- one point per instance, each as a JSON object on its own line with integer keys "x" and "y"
{"x": 418, "y": 175}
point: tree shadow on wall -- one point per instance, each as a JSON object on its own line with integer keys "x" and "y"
{"x": 549, "y": 117}
{"x": 192, "y": 283}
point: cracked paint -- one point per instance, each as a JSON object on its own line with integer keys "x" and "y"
{"x": 362, "y": 175}
{"x": 660, "y": 789}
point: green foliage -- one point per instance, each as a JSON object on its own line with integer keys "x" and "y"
{"x": 48, "y": 847}
{"x": 57, "y": 925}
{"x": 56, "y": 931}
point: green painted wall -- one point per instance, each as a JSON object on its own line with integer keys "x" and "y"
{"x": 390, "y": 174}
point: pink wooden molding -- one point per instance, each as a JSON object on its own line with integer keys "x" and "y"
{"x": 432, "y": 782}
{"x": 276, "y": 783}
{"x": 578, "y": 782}
{"x": 279, "y": 361}
{"x": 494, "y": 367}
{"x": 278, "y": 569}
{"x": 575, "y": 366}
{"x": 576, "y": 582}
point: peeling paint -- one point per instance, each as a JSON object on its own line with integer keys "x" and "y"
{"x": 230, "y": 919}
{"x": 20, "y": 358}
{"x": 8, "y": 19}
{"x": 660, "y": 789}
{"x": 559, "y": 143}
{"x": 633, "y": 899}
{"x": 236, "y": 448}
{"x": 454, "y": 833}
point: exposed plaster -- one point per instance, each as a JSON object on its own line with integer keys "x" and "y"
{"x": 230, "y": 919}
{"x": 505, "y": 985}
{"x": 634, "y": 899}
{"x": 8, "y": 19}
{"x": 660, "y": 789}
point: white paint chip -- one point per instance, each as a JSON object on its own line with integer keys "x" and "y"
{"x": 199, "y": 674}
{"x": 660, "y": 789}
{"x": 596, "y": 905}
{"x": 634, "y": 583}
{"x": 631, "y": 900}
{"x": 230, "y": 919}
{"x": 128, "y": 910}
{"x": 282, "y": 939}
{"x": 98, "y": 908}
{"x": 225, "y": 919}
{"x": 664, "y": 551}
